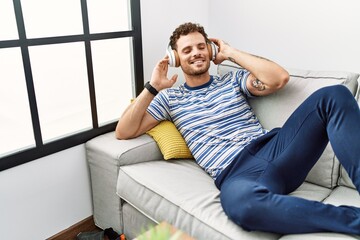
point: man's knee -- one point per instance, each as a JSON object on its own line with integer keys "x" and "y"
{"x": 338, "y": 92}
{"x": 335, "y": 98}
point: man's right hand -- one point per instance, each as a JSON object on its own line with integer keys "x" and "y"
{"x": 136, "y": 120}
{"x": 159, "y": 79}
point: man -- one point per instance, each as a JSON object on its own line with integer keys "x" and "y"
{"x": 254, "y": 169}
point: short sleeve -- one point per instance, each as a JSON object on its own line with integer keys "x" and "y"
{"x": 241, "y": 77}
{"x": 159, "y": 107}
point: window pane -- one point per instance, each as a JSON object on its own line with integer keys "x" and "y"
{"x": 109, "y": 15}
{"x": 112, "y": 62}
{"x": 16, "y": 130}
{"x": 44, "y": 18}
{"x": 8, "y": 29}
{"x": 61, "y": 88}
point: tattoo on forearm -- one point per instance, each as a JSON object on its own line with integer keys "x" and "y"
{"x": 231, "y": 59}
{"x": 256, "y": 83}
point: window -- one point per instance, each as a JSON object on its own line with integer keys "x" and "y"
{"x": 68, "y": 70}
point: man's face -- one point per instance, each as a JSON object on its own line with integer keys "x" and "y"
{"x": 193, "y": 54}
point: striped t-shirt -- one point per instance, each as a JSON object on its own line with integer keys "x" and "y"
{"x": 215, "y": 119}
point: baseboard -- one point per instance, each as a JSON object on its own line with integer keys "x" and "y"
{"x": 86, "y": 225}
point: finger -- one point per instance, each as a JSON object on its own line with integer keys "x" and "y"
{"x": 215, "y": 40}
{"x": 164, "y": 61}
{"x": 174, "y": 78}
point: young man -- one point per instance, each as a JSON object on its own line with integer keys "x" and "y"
{"x": 254, "y": 169}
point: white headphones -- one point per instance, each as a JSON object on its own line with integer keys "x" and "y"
{"x": 174, "y": 60}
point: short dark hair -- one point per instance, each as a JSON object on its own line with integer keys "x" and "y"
{"x": 183, "y": 30}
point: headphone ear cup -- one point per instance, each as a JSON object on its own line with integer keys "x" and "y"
{"x": 176, "y": 57}
{"x": 174, "y": 60}
{"x": 213, "y": 50}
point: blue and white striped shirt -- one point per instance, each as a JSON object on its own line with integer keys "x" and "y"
{"x": 215, "y": 119}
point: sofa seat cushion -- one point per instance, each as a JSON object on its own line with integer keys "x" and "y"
{"x": 181, "y": 193}
{"x": 319, "y": 236}
{"x": 311, "y": 191}
{"x": 344, "y": 196}
{"x": 160, "y": 190}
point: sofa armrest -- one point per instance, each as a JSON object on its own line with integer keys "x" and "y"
{"x": 105, "y": 154}
{"x": 122, "y": 152}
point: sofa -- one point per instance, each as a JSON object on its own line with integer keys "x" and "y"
{"x": 133, "y": 187}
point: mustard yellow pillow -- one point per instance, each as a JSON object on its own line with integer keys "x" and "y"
{"x": 170, "y": 141}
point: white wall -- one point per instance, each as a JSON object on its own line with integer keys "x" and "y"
{"x": 307, "y": 34}
{"x": 43, "y": 197}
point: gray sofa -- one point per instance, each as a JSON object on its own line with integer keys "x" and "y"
{"x": 133, "y": 187}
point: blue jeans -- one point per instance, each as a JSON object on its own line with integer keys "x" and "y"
{"x": 255, "y": 185}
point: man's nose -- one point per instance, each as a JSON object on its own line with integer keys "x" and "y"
{"x": 196, "y": 52}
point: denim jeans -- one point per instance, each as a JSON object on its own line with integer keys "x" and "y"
{"x": 255, "y": 185}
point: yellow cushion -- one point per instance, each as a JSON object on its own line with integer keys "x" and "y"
{"x": 170, "y": 141}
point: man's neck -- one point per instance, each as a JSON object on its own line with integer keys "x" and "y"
{"x": 197, "y": 80}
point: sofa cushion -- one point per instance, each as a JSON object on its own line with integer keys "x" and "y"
{"x": 357, "y": 95}
{"x": 344, "y": 179}
{"x": 319, "y": 236}
{"x": 312, "y": 192}
{"x": 160, "y": 190}
{"x": 171, "y": 143}
{"x": 344, "y": 196}
{"x": 273, "y": 110}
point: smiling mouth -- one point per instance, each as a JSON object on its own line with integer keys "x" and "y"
{"x": 198, "y": 61}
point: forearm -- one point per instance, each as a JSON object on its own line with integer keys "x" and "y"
{"x": 130, "y": 121}
{"x": 268, "y": 72}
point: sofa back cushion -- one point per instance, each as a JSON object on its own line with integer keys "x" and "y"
{"x": 344, "y": 179}
{"x": 273, "y": 110}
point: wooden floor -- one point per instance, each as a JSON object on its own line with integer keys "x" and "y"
{"x": 86, "y": 225}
